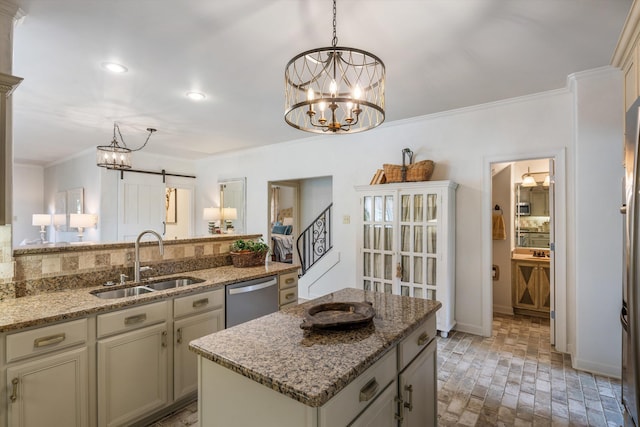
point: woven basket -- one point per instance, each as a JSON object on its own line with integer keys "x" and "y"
{"x": 418, "y": 171}
{"x": 248, "y": 258}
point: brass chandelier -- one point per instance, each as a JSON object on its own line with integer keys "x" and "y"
{"x": 334, "y": 89}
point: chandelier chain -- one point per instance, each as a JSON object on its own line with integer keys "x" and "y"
{"x": 116, "y": 127}
{"x": 334, "y": 41}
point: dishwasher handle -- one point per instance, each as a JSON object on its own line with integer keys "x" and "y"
{"x": 251, "y": 288}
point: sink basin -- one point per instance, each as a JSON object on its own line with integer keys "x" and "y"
{"x": 161, "y": 285}
{"x": 121, "y": 293}
{"x": 173, "y": 283}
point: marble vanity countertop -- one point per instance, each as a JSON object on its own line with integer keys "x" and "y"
{"x": 42, "y": 309}
{"x": 529, "y": 257}
{"x": 310, "y": 366}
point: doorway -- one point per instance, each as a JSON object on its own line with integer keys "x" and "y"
{"x": 498, "y": 267}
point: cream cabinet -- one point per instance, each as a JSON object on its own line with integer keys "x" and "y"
{"x": 531, "y": 289}
{"x": 406, "y": 243}
{"x": 132, "y": 363}
{"x": 47, "y": 377}
{"x": 195, "y": 316}
{"x": 400, "y": 389}
{"x": 288, "y": 289}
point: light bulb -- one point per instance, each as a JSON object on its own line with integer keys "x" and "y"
{"x": 357, "y": 92}
{"x": 333, "y": 88}
{"x": 310, "y": 95}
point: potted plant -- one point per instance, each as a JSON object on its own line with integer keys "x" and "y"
{"x": 248, "y": 253}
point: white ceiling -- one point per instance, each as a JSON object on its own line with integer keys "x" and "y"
{"x": 439, "y": 55}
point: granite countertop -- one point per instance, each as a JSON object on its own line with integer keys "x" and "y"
{"x": 311, "y": 367}
{"x": 42, "y": 309}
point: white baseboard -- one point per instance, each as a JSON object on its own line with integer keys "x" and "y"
{"x": 503, "y": 309}
{"x": 598, "y": 368}
{"x": 468, "y": 328}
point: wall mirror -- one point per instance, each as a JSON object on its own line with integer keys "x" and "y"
{"x": 233, "y": 204}
{"x": 532, "y": 216}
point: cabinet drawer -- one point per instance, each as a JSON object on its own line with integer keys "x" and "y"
{"x": 414, "y": 343}
{"x": 288, "y": 280}
{"x": 288, "y": 296}
{"x": 354, "y": 398}
{"x": 131, "y": 318}
{"x": 46, "y": 339}
{"x": 198, "y": 303}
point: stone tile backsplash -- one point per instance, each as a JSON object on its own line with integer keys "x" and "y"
{"x": 50, "y": 269}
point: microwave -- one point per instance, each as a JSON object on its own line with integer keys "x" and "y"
{"x": 523, "y": 208}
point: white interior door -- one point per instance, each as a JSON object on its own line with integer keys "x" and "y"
{"x": 141, "y": 205}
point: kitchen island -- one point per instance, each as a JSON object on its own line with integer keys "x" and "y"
{"x": 270, "y": 372}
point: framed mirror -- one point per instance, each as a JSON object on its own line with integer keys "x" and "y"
{"x": 233, "y": 204}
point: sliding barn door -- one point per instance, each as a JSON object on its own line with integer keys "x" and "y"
{"x": 141, "y": 205}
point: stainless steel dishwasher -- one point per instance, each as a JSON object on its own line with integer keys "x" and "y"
{"x": 250, "y": 299}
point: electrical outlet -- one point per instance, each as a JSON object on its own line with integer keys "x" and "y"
{"x": 346, "y": 219}
{"x": 129, "y": 256}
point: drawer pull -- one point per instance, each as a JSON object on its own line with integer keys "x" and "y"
{"x": 50, "y": 340}
{"x": 423, "y": 339}
{"x": 409, "y": 404}
{"x": 14, "y": 390}
{"x": 138, "y": 318}
{"x": 200, "y": 303}
{"x": 289, "y": 281}
{"x": 290, "y": 295}
{"x": 164, "y": 338}
{"x": 179, "y": 333}
{"x": 369, "y": 390}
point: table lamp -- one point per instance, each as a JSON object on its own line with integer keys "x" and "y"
{"x": 41, "y": 220}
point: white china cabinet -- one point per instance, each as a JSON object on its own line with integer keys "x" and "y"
{"x": 407, "y": 242}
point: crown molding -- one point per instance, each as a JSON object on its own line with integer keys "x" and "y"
{"x": 11, "y": 9}
{"x": 8, "y": 83}
{"x": 628, "y": 36}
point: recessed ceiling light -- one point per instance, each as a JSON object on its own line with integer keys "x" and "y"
{"x": 196, "y": 96}
{"x": 115, "y": 68}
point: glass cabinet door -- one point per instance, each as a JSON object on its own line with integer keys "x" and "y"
{"x": 418, "y": 224}
{"x": 377, "y": 243}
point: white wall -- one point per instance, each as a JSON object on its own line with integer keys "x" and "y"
{"x": 315, "y": 195}
{"x": 28, "y": 200}
{"x": 459, "y": 141}
{"x": 501, "y": 196}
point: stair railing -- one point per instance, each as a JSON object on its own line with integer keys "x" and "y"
{"x": 315, "y": 241}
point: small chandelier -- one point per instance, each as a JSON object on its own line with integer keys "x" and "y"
{"x": 116, "y": 156}
{"x": 333, "y": 89}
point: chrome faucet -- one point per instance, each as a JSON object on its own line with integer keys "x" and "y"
{"x": 136, "y": 266}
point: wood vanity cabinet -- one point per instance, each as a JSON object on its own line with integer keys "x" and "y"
{"x": 47, "y": 376}
{"x": 531, "y": 290}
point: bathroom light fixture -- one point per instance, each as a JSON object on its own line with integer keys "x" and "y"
{"x": 196, "y": 96}
{"x": 116, "y": 156}
{"x": 114, "y": 67}
{"x": 332, "y": 89}
{"x": 82, "y": 221}
{"x": 41, "y": 220}
{"x": 529, "y": 181}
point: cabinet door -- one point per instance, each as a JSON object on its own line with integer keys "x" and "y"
{"x": 382, "y": 412}
{"x": 419, "y": 230}
{"x": 132, "y": 374}
{"x": 185, "y": 362}
{"x": 544, "y": 287}
{"x": 377, "y": 242}
{"x": 50, "y": 390}
{"x": 418, "y": 390}
{"x": 526, "y": 294}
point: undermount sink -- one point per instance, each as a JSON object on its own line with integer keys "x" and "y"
{"x": 121, "y": 293}
{"x": 147, "y": 287}
{"x": 173, "y": 283}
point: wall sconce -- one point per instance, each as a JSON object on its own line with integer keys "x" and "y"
{"x": 212, "y": 215}
{"x": 82, "y": 221}
{"x": 228, "y": 215}
{"x": 41, "y": 220}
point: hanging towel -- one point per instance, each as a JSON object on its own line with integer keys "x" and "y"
{"x": 499, "y": 230}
